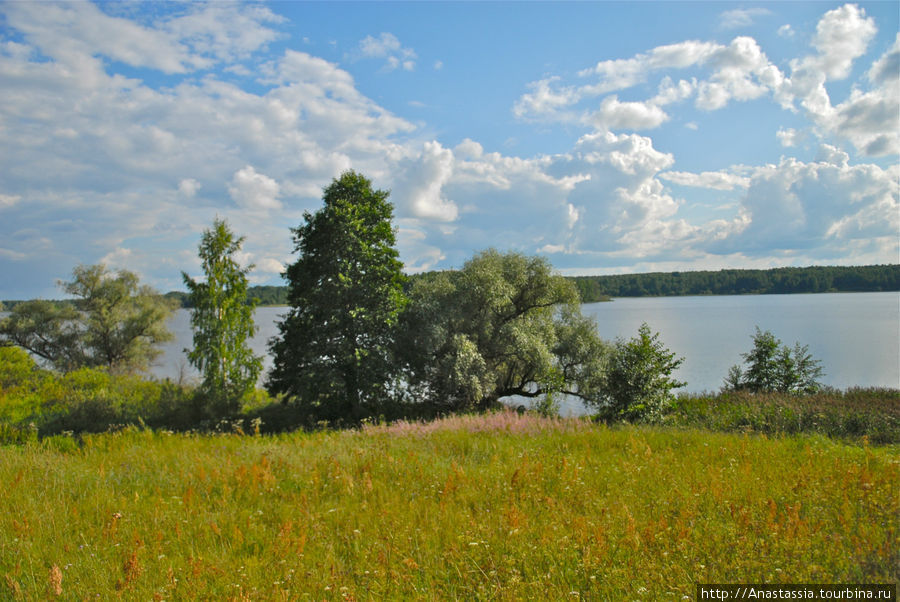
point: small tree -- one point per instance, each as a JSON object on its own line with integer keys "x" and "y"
{"x": 115, "y": 323}
{"x": 123, "y": 320}
{"x": 222, "y": 320}
{"x": 764, "y": 365}
{"x": 50, "y": 331}
{"x": 335, "y": 350}
{"x": 639, "y": 382}
{"x": 773, "y": 367}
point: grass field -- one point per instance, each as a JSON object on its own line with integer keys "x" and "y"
{"x": 503, "y": 506}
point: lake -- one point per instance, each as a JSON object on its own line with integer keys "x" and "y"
{"x": 855, "y": 335}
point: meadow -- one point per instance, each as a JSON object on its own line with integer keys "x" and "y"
{"x": 502, "y": 506}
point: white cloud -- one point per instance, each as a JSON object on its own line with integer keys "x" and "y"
{"x": 787, "y": 136}
{"x": 255, "y": 191}
{"x": 786, "y": 31}
{"x": 419, "y": 188}
{"x": 741, "y": 17}
{"x": 225, "y": 32}
{"x": 842, "y": 36}
{"x": 739, "y": 71}
{"x": 544, "y": 100}
{"x": 388, "y": 47}
{"x": 743, "y": 72}
{"x": 8, "y": 200}
{"x": 826, "y": 204}
{"x": 205, "y": 35}
{"x": 188, "y": 187}
{"x": 870, "y": 120}
{"x": 715, "y": 180}
{"x": 833, "y": 155}
{"x": 107, "y": 167}
{"x": 616, "y": 115}
{"x": 269, "y": 265}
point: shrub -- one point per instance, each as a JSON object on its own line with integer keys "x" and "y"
{"x": 639, "y": 382}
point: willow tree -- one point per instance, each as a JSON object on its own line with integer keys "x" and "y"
{"x": 222, "y": 320}
{"x": 504, "y": 325}
{"x": 334, "y": 354}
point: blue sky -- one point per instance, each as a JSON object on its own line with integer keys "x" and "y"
{"x": 610, "y": 137}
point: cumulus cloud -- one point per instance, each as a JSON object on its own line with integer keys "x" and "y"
{"x": 616, "y": 115}
{"x": 253, "y": 190}
{"x": 797, "y": 205}
{"x": 870, "y": 119}
{"x": 739, "y": 71}
{"x": 420, "y": 188}
{"x": 269, "y": 265}
{"x": 715, "y": 180}
{"x": 842, "y": 36}
{"x": 188, "y": 187}
{"x": 109, "y": 167}
{"x": 787, "y": 136}
{"x": 387, "y": 46}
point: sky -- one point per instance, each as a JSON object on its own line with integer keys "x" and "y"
{"x": 608, "y": 137}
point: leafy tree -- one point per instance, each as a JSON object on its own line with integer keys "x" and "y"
{"x": 115, "y": 323}
{"x": 222, "y": 320}
{"x": 503, "y": 325}
{"x": 639, "y": 381}
{"x": 773, "y": 367}
{"x": 123, "y": 321}
{"x": 50, "y": 331}
{"x": 334, "y": 353}
{"x": 763, "y": 371}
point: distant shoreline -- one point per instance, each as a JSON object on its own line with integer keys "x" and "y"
{"x": 594, "y": 289}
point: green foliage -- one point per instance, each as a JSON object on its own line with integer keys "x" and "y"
{"x": 222, "y": 320}
{"x": 113, "y": 323}
{"x": 775, "y": 367}
{"x": 503, "y": 325}
{"x": 639, "y": 380}
{"x": 334, "y": 354}
{"x": 50, "y": 331}
{"x": 122, "y": 321}
{"x": 814, "y": 279}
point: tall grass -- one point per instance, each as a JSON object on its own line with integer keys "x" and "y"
{"x": 497, "y": 507}
{"x": 855, "y": 413}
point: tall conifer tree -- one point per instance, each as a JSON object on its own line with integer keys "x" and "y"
{"x": 334, "y": 352}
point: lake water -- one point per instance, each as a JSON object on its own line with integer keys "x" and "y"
{"x": 855, "y": 335}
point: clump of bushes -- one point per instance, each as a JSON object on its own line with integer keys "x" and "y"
{"x": 35, "y": 401}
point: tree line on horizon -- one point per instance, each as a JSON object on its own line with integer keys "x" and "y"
{"x": 591, "y": 289}
{"x": 812, "y": 279}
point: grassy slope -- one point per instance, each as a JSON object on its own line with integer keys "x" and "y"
{"x": 500, "y": 507}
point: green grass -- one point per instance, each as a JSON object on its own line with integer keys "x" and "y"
{"x": 503, "y": 506}
{"x": 852, "y": 414}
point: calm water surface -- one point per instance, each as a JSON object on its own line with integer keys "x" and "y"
{"x": 855, "y": 335}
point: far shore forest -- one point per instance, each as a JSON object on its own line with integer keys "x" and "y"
{"x": 773, "y": 281}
